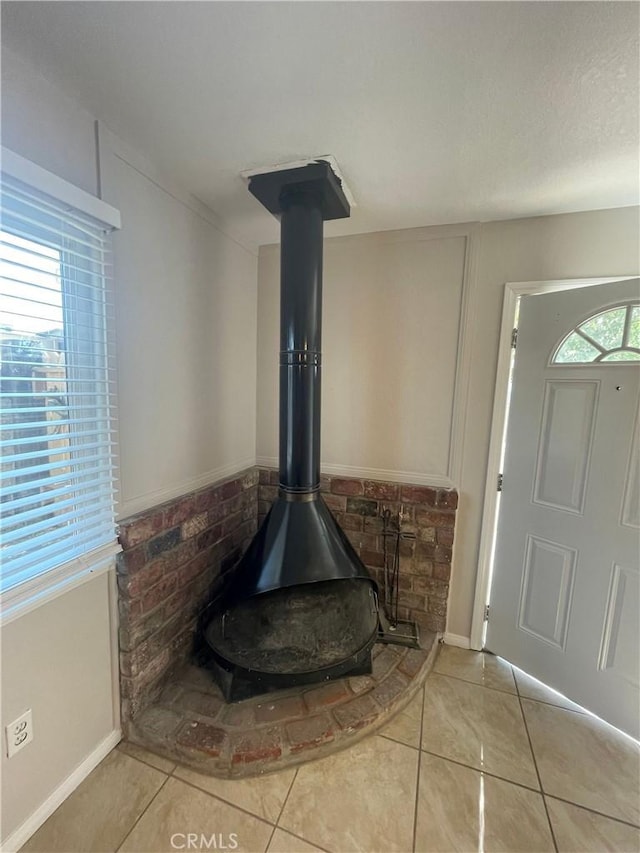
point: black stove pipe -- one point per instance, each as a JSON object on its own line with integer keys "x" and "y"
{"x": 299, "y": 542}
{"x": 300, "y": 341}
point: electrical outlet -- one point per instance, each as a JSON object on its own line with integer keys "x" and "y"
{"x": 19, "y": 733}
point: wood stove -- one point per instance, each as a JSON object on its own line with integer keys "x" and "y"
{"x": 300, "y": 606}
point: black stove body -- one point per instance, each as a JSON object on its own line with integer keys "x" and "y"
{"x": 300, "y": 606}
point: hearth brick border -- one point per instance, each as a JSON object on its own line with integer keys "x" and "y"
{"x": 174, "y": 555}
{"x": 191, "y": 724}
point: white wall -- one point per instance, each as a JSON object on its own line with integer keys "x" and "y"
{"x": 186, "y": 336}
{"x": 392, "y": 307}
{"x": 56, "y": 660}
{"x": 390, "y": 349}
{"x": 186, "y": 303}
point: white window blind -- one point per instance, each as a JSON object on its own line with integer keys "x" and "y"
{"x": 56, "y": 392}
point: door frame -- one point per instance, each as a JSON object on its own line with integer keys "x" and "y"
{"x": 513, "y": 291}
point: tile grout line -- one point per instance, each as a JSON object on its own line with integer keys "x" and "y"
{"x": 219, "y": 798}
{"x": 284, "y": 803}
{"x": 415, "y": 808}
{"x": 147, "y": 763}
{"x": 535, "y": 764}
{"x": 593, "y": 811}
{"x": 509, "y": 692}
{"x": 483, "y": 771}
{"x": 282, "y": 828}
{"x": 142, "y": 813}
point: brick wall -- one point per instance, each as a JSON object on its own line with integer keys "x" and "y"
{"x": 172, "y": 556}
{"x": 428, "y": 514}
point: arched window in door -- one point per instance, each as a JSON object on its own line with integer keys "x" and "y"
{"x": 611, "y": 335}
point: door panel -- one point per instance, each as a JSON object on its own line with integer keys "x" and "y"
{"x": 565, "y": 592}
{"x": 568, "y": 418}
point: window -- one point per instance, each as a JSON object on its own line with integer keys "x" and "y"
{"x": 56, "y": 388}
{"x": 611, "y": 335}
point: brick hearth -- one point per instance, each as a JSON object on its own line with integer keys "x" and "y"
{"x": 190, "y": 722}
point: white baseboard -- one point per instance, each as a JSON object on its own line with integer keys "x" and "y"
{"x": 456, "y": 640}
{"x": 68, "y": 786}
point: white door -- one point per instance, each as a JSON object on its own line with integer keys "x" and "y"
{"x": 565, "y": 594}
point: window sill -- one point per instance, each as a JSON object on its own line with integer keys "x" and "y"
{"x": 34, "y": 593}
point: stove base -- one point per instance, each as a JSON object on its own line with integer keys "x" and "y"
{"x": 236, "y": 686}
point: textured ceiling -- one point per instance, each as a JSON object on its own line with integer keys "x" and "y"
{"x": 436, "y": 112}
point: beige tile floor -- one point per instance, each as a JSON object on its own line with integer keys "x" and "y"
{"x": 484, "y": 758}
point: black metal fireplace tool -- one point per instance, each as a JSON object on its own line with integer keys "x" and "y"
{"x": 392, "y": 629}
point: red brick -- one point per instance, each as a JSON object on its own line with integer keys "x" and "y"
{"x": 448, "y": 498}
{"x": 384, "y": 662}
{"x": 346, "y": 487}
{"x": 336, "y": 503}
{"x": 140, "y": 529}
{"x": 209, "y": 537}
{"x": 442, "y": 554}
{"x": 425, "y": 550}
{"x": 159, "y": 721}
{"x": 328, "y": 694}
{"x": 159, "y": 593}
{"x": 140, "y": 628}
{"x": 427, "y": 534}
{"x": 215, "y": 513}
{"x": 310, "y": 733}
{"x": 230, "y": 489}
{"x": 142, "y": 580}
{"x": 389, "y": 689}
{"x": 413, "y": 662}
{"x": 179, "y": 511}
{"x": 194, "y": 568}
{"x": 130, "y": 562}
{"x": 372, "y": 558}
{"x": 423, "y": 568}
{"x": 442, "y": 571}
{"x": 357, "y": 713}
{"x": 207, "y": 499}
{"x": 205, "y": 704}
{"x": 279, "y": 709}
{"x": 240, "y": 714}
{"x": 381, "y": 491}
{"x": 414, "y": 600}
{"x": 258, "y": 745}
{"x": 231, "y": 523}
{"x": 349, "y": 522}
{"x": 268, "y": 493}
{"x": 434, "y": 517}
{"x": 444, "y": 536}
{"x": 202, "y": 737}
{"x": 249, "y": 480}
{"x": 407, "y": 546}
{"x": 361, "y": 683}
{"x": 419, "y": 495}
